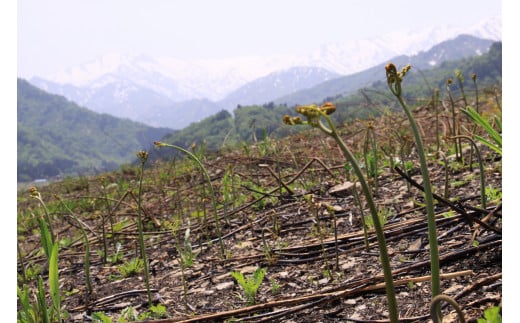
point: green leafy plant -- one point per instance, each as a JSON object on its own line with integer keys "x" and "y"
{"x": 383, "y": 215}
{"x": 117, "y": 256}
{"x": 493, "y": 194}
{"x": 100, "y": 317}
{"x": 481, "y": 169}
{"x": 39, "y": 311}
{"x": 491, "y": 315}
{"x": 154, "y": 312}
{"x": 251, "y": 284}
{"x": 32, "y": 271}
{"x": 157, "y": 312}
{"x": 28, "y": 312}
{"x": 275, "y": 287}
{"x": 495, "y": 141}
{"x": 128, "y": 314}
{"x": 131, "y": 267}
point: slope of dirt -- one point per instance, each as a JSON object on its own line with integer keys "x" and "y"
{"x": 290, "y": 209}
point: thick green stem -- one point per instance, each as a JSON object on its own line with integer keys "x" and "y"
{"x": 432, "y": 231}
{"x": 385, "y": 260}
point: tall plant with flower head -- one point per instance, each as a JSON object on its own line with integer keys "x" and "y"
{"x": 159, "y": 144}
{"x": 394, "y": 80}
{"x": 143, "y": 156}
{"x": 315, "y": 115}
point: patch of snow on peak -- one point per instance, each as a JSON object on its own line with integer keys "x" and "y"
{"x": 83, "y": 74}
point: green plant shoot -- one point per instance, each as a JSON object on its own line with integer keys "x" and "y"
{"x": 250, "y": 285}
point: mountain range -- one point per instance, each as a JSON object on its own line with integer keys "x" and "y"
{"x": 173, "y": 93}
{"x": 57, "y": 137}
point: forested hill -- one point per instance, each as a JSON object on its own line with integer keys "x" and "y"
{"x": 57, "y": 137}
{"x": 256, "y": 122}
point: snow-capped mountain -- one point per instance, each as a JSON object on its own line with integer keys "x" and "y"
{"x": 176, "y": 79}
{"x": 127, "y": 86}
{"x": 339, "y": 58}
{"x": 462, "y": 46}
{"x": 276, "y": 84}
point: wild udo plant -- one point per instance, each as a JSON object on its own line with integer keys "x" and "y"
{"x": 314, "y": 117}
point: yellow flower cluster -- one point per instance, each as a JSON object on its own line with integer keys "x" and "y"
{"x": 312, "y": 112}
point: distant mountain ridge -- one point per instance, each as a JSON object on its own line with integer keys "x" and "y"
{"x": 276, "y": 84}
{"x": 460, "y": 47}
{"x": 151, "y": 89}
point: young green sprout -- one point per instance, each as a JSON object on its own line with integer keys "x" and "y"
{"x": 250, "y": 285}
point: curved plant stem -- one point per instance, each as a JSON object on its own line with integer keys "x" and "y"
{"x": 314, "y": 115}
{"x": 212, "y": 193}
{"x": 394, "y": 82}
{"x": 435, "y": 308}
{"x": 385, "y": 260}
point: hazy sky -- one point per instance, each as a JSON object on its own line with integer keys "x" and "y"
{"x": 55, "y": 34}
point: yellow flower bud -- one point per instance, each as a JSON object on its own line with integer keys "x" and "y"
{"x": 288, "y": 120}
{"x": 328, "y": 108}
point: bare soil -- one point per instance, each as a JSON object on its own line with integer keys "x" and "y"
{"x": 310, "y": 238}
